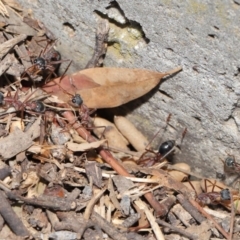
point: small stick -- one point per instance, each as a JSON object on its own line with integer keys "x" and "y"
{"x": 209, "y": 217}
{"x": 91, "y": 204}
{"x": 232, "y": 216}
{"x": 49, "y": 202}
{"x": 189, "y": 208}
{"x": 152, "y": 220}
{"x": 176, "y": 229}
{"x": 107, "y": 227}
{"x": 11, "y": 217}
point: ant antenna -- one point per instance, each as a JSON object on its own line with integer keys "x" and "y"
{"x": 63, "y": 75}
{"x": 164, "y": 129}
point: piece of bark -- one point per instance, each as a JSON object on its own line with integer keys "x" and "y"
{"x": 14, "y": 143}
{"x": 4, "y": 170}
{"x": 5, "y": 64}
{"x": 182, "y": 214}
{"x": 8, "y": 45}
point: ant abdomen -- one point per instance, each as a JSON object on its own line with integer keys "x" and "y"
{"x": 166, "y": 147}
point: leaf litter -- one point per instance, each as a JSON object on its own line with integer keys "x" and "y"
{"x": 65, "y": 174}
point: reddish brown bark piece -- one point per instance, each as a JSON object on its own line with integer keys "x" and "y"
{"x": 108, "y": 87}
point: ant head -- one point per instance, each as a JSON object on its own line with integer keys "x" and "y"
{"x": 39, "y": 107}
{"x": 40, "y": 62}
{"x": 229, "y": 162}
{"x": 166, "y": 147}
{"x": 225, "y": 194}
{"x": 77, "y": 100}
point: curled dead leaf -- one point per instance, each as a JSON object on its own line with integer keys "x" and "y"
{"x": 75, "y": 147}
{"x": 107, "y": 87}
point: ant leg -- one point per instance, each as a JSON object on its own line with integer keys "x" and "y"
{"x": 167, "y": 121}
{"x": 63, "y": 75}
{"x": 45, "y": 48}
{"x": 193, "y": 188}
{"x": 183, "y": 134}
{"x": 146, "y": 151}
{"x": 49, "y": 76}
{"x": 101, "y": 136}
{"x": 213, "y": 184}
{"x": 42, "y": 132}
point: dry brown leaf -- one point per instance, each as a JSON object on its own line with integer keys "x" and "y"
{"x": 75, "y": 147}
{"x": 108, "y": 87}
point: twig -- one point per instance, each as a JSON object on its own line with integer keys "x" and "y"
{"x": 91, "y": 204}
{"x": 69, "y": 221}
{"x": 11, "y": 217}
{"x": 232, "y": 216}
{"x": 182, "y": 232}
{"x": 151, "y": 219}
{"x": 44, "y": 201}
{"x": 107, "y": 227}
{"x": 209, "y": 217}
{"x": 112, "y": 194}
{"x": 189, "y": 207}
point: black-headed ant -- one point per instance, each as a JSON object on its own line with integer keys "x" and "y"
{"x": 165, "y": 149}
